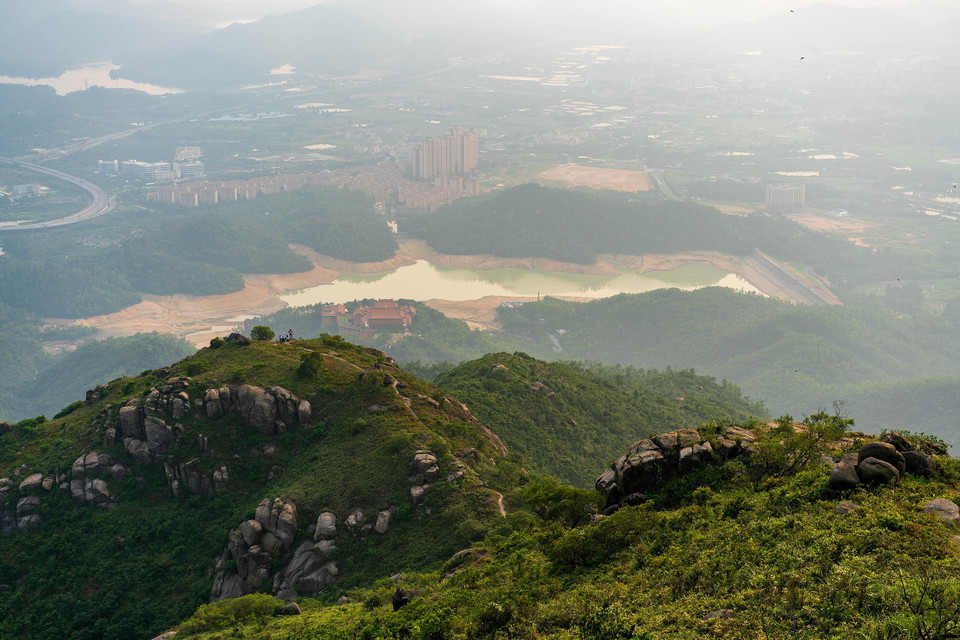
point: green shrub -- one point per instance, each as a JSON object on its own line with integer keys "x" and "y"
{"x": 196, "y": 367}
{"x": 261, "y": 332}
{"x": 70, "y": 408}
{"x": 228, "y": 613}
{"x": 216, "y": 343}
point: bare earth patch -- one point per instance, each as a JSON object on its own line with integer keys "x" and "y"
{"x": 200, "y": 318}
{"x": 575, "y": 175}
{"x": 823, "y": 223}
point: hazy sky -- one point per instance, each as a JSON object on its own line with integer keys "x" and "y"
{"x": 249, "y": 9}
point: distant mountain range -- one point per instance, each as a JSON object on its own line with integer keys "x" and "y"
{"x": 169, "y": 44}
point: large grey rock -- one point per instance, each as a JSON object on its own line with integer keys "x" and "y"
{"x": 159, "y": 435}
{"x": 263, "y": 414}
{"x": 639, "y": 470}
{"x": 228, "y": 586}
{"x": 221, "y": 479}
{"x": 425, "y": 466}
{"x": 666, "y": 441}
{"x": 416, "y": 494}
{"x": 943, "y": 509}
{"x": 238, "y": 339}
{"x": 250, "y": 531}
{"x": 843, "y": 476}
{"x": 326, "y": 526}
{"x": 26, "y": 523}
{"x": 882, "y": 451}
{"x": 271, "y": 544}
{"x": 304, "y": 413}
{"x": 735, "y": 441}
{"x": 27, "y": 505}
{"x": 96, "y": 491}
{"x": 694, "y": 457}
{"x": 896, "y": 439}
{"x": 77, "y": 493}
{"x": 918, "y": 463}
{"x": 876, "y": 471}
{"x": 315, "y": 581}
{"x": 32, "y": 482}
{"x": 254, "y": 565}
{"x": 138, "y": 450}
{"x": 262, "y": 514}
{"x": 383, "y": 521}
{"x": 212, "y": 403}
{"x": 130, "y": 421}
{"x": 286, "y": 524}
{"x": 687, "y": 438}
{"x": 324, "y": 548}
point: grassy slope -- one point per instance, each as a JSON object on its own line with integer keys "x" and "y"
{"x": 132, "y": 571}
{"x": 589, "y": 420}
{"x": 776, "y": 558}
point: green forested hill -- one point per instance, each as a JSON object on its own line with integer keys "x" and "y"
{"x": 115, "y": 517}
{"x": 568, "y": 421}
{"x": 793, "y": 357}
{"x": 748, "y": 548}
{"x": 576, "y": 226}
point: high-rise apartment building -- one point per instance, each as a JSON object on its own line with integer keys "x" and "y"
{"x": 455, "y": 154}
{"x": 786, "y": 198}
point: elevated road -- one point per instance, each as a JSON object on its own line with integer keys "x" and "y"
{"x": 100, "y": 203}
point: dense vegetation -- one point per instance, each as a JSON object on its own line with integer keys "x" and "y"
{"x": 708, "y": 556}
{"x": 333, "y": 222}
{"x": 568, "y": 421}
{"x": 435, "y": 337}
{"x": 577, "y": 226}
{"x": 131, "y": 571}
{"x": 66, "y": 378}
{"x": 790, "y": 356}
{"x": 73, "y": 273}
{"x": 892, "y": 370}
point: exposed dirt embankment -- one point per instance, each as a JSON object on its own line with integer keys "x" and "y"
{"x": 200, "y": 318}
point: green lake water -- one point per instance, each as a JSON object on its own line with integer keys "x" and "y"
{"x": 424, "y": 280}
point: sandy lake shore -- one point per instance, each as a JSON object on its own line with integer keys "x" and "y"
{"x": 200, "y": 318}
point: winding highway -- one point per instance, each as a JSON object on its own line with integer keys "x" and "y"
{"x": 100, "y": 204}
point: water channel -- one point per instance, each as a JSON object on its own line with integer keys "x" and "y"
{"x": 424, "y": 281}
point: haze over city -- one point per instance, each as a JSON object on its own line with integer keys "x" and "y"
{"x": 450, "y": 319}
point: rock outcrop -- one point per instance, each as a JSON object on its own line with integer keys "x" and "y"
{"x": 880, "y": 462}
{"x": 680, "y": 451}
{"x": 253, "y": 545}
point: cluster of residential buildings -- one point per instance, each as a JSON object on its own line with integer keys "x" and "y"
{"x": 153, "y": 171}
{"x": 440, "y": 171}
{"x": 366, "y": 321}
{"x": 378, "y": 181}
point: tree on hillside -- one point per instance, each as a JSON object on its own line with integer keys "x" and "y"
{"x": 261, "y": 332}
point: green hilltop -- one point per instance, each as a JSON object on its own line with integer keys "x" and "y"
{"x": 568, "y": 420}
{"x": 756, "y": 540}
{"x": 116, "y": 516}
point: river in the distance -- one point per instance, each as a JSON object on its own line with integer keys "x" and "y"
{"x": 424, "y": 281}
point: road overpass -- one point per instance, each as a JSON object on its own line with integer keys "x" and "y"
{"x": 100, "y": 203}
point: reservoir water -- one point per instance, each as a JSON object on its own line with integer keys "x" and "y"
{"x": 424, "y": 281}
{"x": 91, "y": 75}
